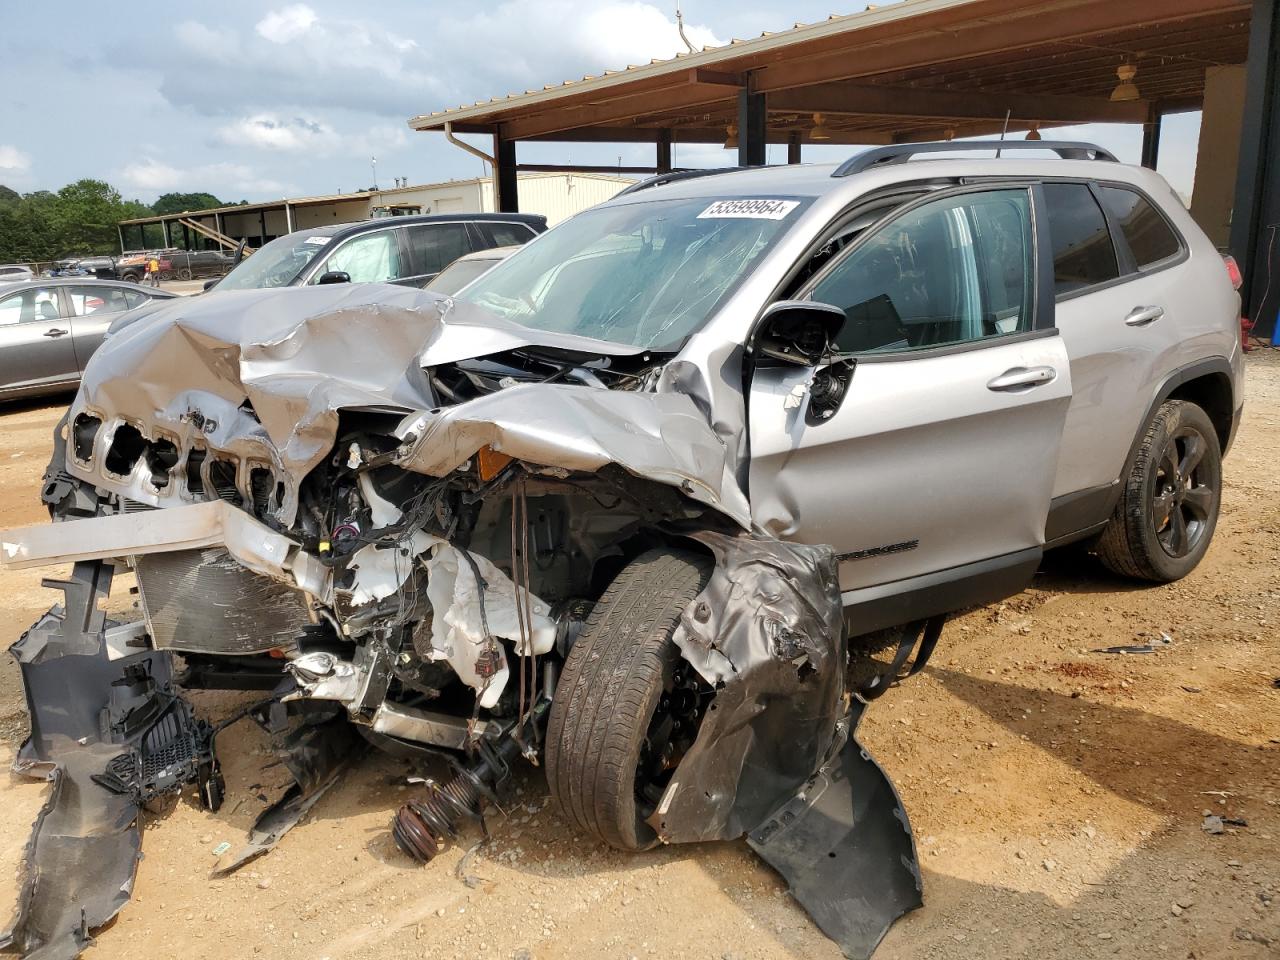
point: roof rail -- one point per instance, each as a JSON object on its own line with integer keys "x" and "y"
{"x": 902, "y": 152}
{"x": 674, "y": 177}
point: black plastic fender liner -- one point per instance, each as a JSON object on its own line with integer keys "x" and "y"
{"x": 86, "y": 841}
{"x": 844, "y": 845}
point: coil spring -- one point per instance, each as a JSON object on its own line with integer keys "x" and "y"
{"x": 423, "y": 827}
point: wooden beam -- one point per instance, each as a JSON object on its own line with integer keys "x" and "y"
{"x": 1040, "y": 24}
{"x": 870, "y": 99}
{"x": 715, "y": 77}
{"x": 581, "y": 168}
{"x": 618, "y": 110}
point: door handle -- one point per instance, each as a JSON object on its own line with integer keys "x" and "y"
{"x": 1141, "y": 316}
{"x": 55, "y": 332}
{"x": 1019, "y": 377}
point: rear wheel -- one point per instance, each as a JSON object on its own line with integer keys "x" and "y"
{"x": 1169, "y": 503}
{"x": 627, "y": 706}
{"x": 184, "y": 273}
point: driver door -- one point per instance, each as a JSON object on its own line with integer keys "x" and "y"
{"x": 938, "y": 464}
{"x": 36, "y": 348}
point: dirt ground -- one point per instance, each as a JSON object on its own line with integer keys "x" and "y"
{"x": 1057, "y": 793}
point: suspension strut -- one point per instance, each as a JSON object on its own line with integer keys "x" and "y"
{"x": 422, "y": 828}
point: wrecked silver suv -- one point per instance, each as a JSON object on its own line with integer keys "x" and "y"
{"x": 577, "y": 514}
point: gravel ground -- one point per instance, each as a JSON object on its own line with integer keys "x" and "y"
{"x": 1057, "y": 794}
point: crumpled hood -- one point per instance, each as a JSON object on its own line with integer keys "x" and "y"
{"x": 260, "y": 376}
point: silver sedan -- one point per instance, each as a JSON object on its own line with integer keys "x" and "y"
{"x": 50, "y": 328}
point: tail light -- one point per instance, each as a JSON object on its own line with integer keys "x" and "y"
{"x": 1233, "y": 271}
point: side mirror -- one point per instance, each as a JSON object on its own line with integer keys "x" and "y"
{"x": 798, "y": 331}
{"x": 210, "y": 284}
{"x": 334, "y": 276}
{"x": 239, "y": 254}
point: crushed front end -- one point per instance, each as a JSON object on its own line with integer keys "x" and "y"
{"x": 401, "y": 519}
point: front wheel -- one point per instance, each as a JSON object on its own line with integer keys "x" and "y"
{"x": 626, "y": 706}
{"x": 1169, "y": 502}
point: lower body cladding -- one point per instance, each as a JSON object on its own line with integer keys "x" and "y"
{"x": 710, "y": 664}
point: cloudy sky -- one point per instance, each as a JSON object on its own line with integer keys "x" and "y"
{"x": 254, "y": 100}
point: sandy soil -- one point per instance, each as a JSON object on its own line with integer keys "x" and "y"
{"x": 1057, "y": 794}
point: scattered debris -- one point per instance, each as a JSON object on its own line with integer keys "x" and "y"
{"x": 1126, "y": 648}
{"x": 1213, "y": 825}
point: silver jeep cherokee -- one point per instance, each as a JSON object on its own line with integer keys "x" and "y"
{"x": 619, "y": 504}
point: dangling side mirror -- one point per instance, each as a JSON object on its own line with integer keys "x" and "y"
{"x": 798, "y": 331}
{"x": 334, "y": 276}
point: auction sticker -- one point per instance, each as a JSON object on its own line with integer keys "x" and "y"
{"x": 318, "y": 241}
{"x": 758, "y": 209}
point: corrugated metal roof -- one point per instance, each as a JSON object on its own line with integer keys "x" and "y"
{"x": 707, "y": 57}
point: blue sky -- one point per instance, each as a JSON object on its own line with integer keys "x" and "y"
{"x": 252, "y": 100}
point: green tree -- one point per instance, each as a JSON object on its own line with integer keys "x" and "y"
{"x": 183, "y": 202}
{"x": 85, "y": 216}
{"x": 8, "y": 195}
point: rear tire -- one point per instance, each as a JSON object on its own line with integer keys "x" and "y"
{"x": 1169, "y": 502}
{"x": 609, "y": 691}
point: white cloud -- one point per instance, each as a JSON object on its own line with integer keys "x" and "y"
{"x": 295, "y": 58}
{"x": 13, "y": 159}
{"x": 286, "y": 24}
{"x": 149, "y": 178}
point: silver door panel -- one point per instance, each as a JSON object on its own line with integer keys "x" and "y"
{"x": 923, "y": 468}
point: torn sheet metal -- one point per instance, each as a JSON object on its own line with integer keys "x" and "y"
{"x": 88, "y": 714}
{"x": 845, "y": 848}
{"x": 768, "y": 633}
{"x": 660, "y": 436}
{"x": 259, "y": 378}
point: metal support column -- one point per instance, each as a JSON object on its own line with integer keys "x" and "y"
{"x": 262, "y": 228}
{"x": 504, "y": 175}
{"x": 793, "y": 147}
{"x": 186, "y": 237}
{"x": 1255, "y": 217}
{"x": 120, "y": 234}
{"x": 1151, "y": 137}
{"x": 168, "y": 240}
{"x": 663, "y": 164}
{"x": 751, "y": 129}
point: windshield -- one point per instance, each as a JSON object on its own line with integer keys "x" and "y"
{"x": 276, "y": 264}
{"x": 644, "y": 274}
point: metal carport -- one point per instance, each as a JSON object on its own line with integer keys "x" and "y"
{"x": 935, "y": 69}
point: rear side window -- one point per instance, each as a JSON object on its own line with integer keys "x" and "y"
{"x": 1083, "y": 254}
{"x": 1145, "y": 229}
{"x": 505, "y": 234}
{"x": 436, "y": 245}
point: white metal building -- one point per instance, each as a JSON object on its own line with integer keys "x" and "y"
{"x": 555, "y": 195}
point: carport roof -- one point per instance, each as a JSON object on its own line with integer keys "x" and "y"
{"x": 903, "y": 72}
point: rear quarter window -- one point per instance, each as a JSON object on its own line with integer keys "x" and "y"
{"x": 1145, "y": 229}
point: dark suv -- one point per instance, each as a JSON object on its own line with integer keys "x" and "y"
{"x": 404, "y": 250}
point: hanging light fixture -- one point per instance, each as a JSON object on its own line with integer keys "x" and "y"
{"x": 1126, "y": 89}
{"x": 819, "y": 131}
{"x": 731, "y": 137}
{"x": 1034, "y": 132}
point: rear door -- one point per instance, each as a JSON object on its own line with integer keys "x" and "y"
{"x": 1118, "y": 309}
{"x": 943, "y": 450}
{"x": 433, "y": 246}
{"x": 36, "y": 347}
{"x": 93, "y": 308}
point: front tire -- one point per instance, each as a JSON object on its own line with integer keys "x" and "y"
{"x": 601, "y": 731}
{"x": 1169, "y": 502}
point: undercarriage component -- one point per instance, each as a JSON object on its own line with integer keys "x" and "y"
{"x": 926, "y": 633}
{"x": 422, "y": 828}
